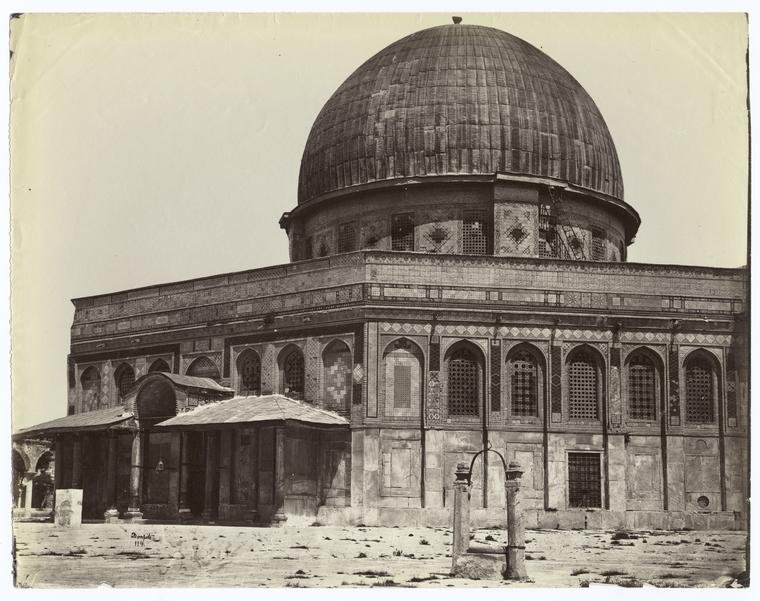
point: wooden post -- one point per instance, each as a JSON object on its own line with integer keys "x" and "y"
{"x": 135, "y": 479}
{"x": 58, "y": 463}
{"x": 111, "y": 514}
{"x": 461, "y": 513}
{"x": 211, "y": 485}
{"x": 279, "y": 517}
{"x": 515, "y": 525}
{"x": 76, "y": 463}
{"x": 224, "y": 470}
{"x": 184, "y": 476}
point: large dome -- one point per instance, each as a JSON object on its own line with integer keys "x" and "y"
{"x": 459, "y": 100}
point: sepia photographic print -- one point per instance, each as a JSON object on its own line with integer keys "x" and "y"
{"x": 380, "y": 300}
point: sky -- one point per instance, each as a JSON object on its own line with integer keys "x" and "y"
{"x": 154, "y": 148}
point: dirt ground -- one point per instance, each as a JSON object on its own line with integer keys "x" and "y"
{"x": 128, "y": 555}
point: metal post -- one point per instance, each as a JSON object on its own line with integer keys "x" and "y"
{"x": 461, "y": 513}
{"x": 515, "y": 525}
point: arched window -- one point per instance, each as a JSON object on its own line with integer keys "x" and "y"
{"x": 524, "y": 383}
{"x": 583, "y": 386}
{"x": 203, "y": 367}
{"x": 249, "y": 373}
{"x": 124, "y": 378}
{"x": 159, "y": 365}
{"x": 292, "y": 370}
{"x": 90, "y": 381}
{"x": 403, "y": 378}
{"x": 336, "y": 361}
{"x": 642, "y": 387}
{"x": 701, "y": 390}
{"x": 464, "y": 381}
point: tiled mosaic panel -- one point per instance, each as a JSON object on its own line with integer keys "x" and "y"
{"x": 337, "y": 377}
{"x": 495, "y": 377}
{"x": 675, "y": 386}
{"x": 517, "y": 229}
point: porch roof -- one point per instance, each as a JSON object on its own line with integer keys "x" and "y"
{"x": 101, "y": 419}
{"x": 254, "y": 410}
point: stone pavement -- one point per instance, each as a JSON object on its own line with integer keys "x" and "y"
{"x": 129, "y": 555}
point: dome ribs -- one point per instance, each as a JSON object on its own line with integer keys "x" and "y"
{"x": 459, "y": 99}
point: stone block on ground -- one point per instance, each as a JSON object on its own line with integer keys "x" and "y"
{"x": 479, "y": 566}
{"x": 68, "y": 507}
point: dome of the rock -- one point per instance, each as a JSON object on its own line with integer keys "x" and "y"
{"x": 459, "y": 100}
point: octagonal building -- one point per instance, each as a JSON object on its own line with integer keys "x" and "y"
{"x": 458, "y": 280}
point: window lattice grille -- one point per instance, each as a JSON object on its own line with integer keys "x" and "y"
{"x": 597, "y": 245}
{"x": 203, "y": 367}
{"x": 699, "y": 393}
{"x": 475, "y": 235}
{"x": 346, "y": 238}
{"x": 585, "y": 482}
{"x": 249, "y": 373}
{"x": 464, "y": 384}
{"x": 402, "y": 232}
{"x": 584, "y": 388}
{"x": 402, "y": 386}
{"x": 125, "y": 380}
{"x": 524, "y": 385}
{"x": 293, "y": 376}
{"x": 642, "y": 389}
{"x": 546, "y": 232}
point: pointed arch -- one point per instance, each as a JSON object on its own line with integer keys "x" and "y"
{"x": 526, "y": 380}
{"x": 643, "y": 385}
{"x": 585, "y": 383}
{"x": 203, "y": 367}
{"x": 336, "y": 380}
{"x": 464, "y": 379}
{"x": 702, "y": 387}
{"x": 159, "y": 365}
{"x": 90, "y": 382}
{"x": 403, "y": 378}
{"x": 248, "y": 365}
{"x": 124, "y": 378}
{"x": 292, "y": 375}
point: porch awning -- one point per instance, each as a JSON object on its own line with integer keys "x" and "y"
{"x": 101, "y": 419}
{"x": 253, "y": 410}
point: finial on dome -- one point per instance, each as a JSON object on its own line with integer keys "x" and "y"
{"x": 457, "y": 20}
